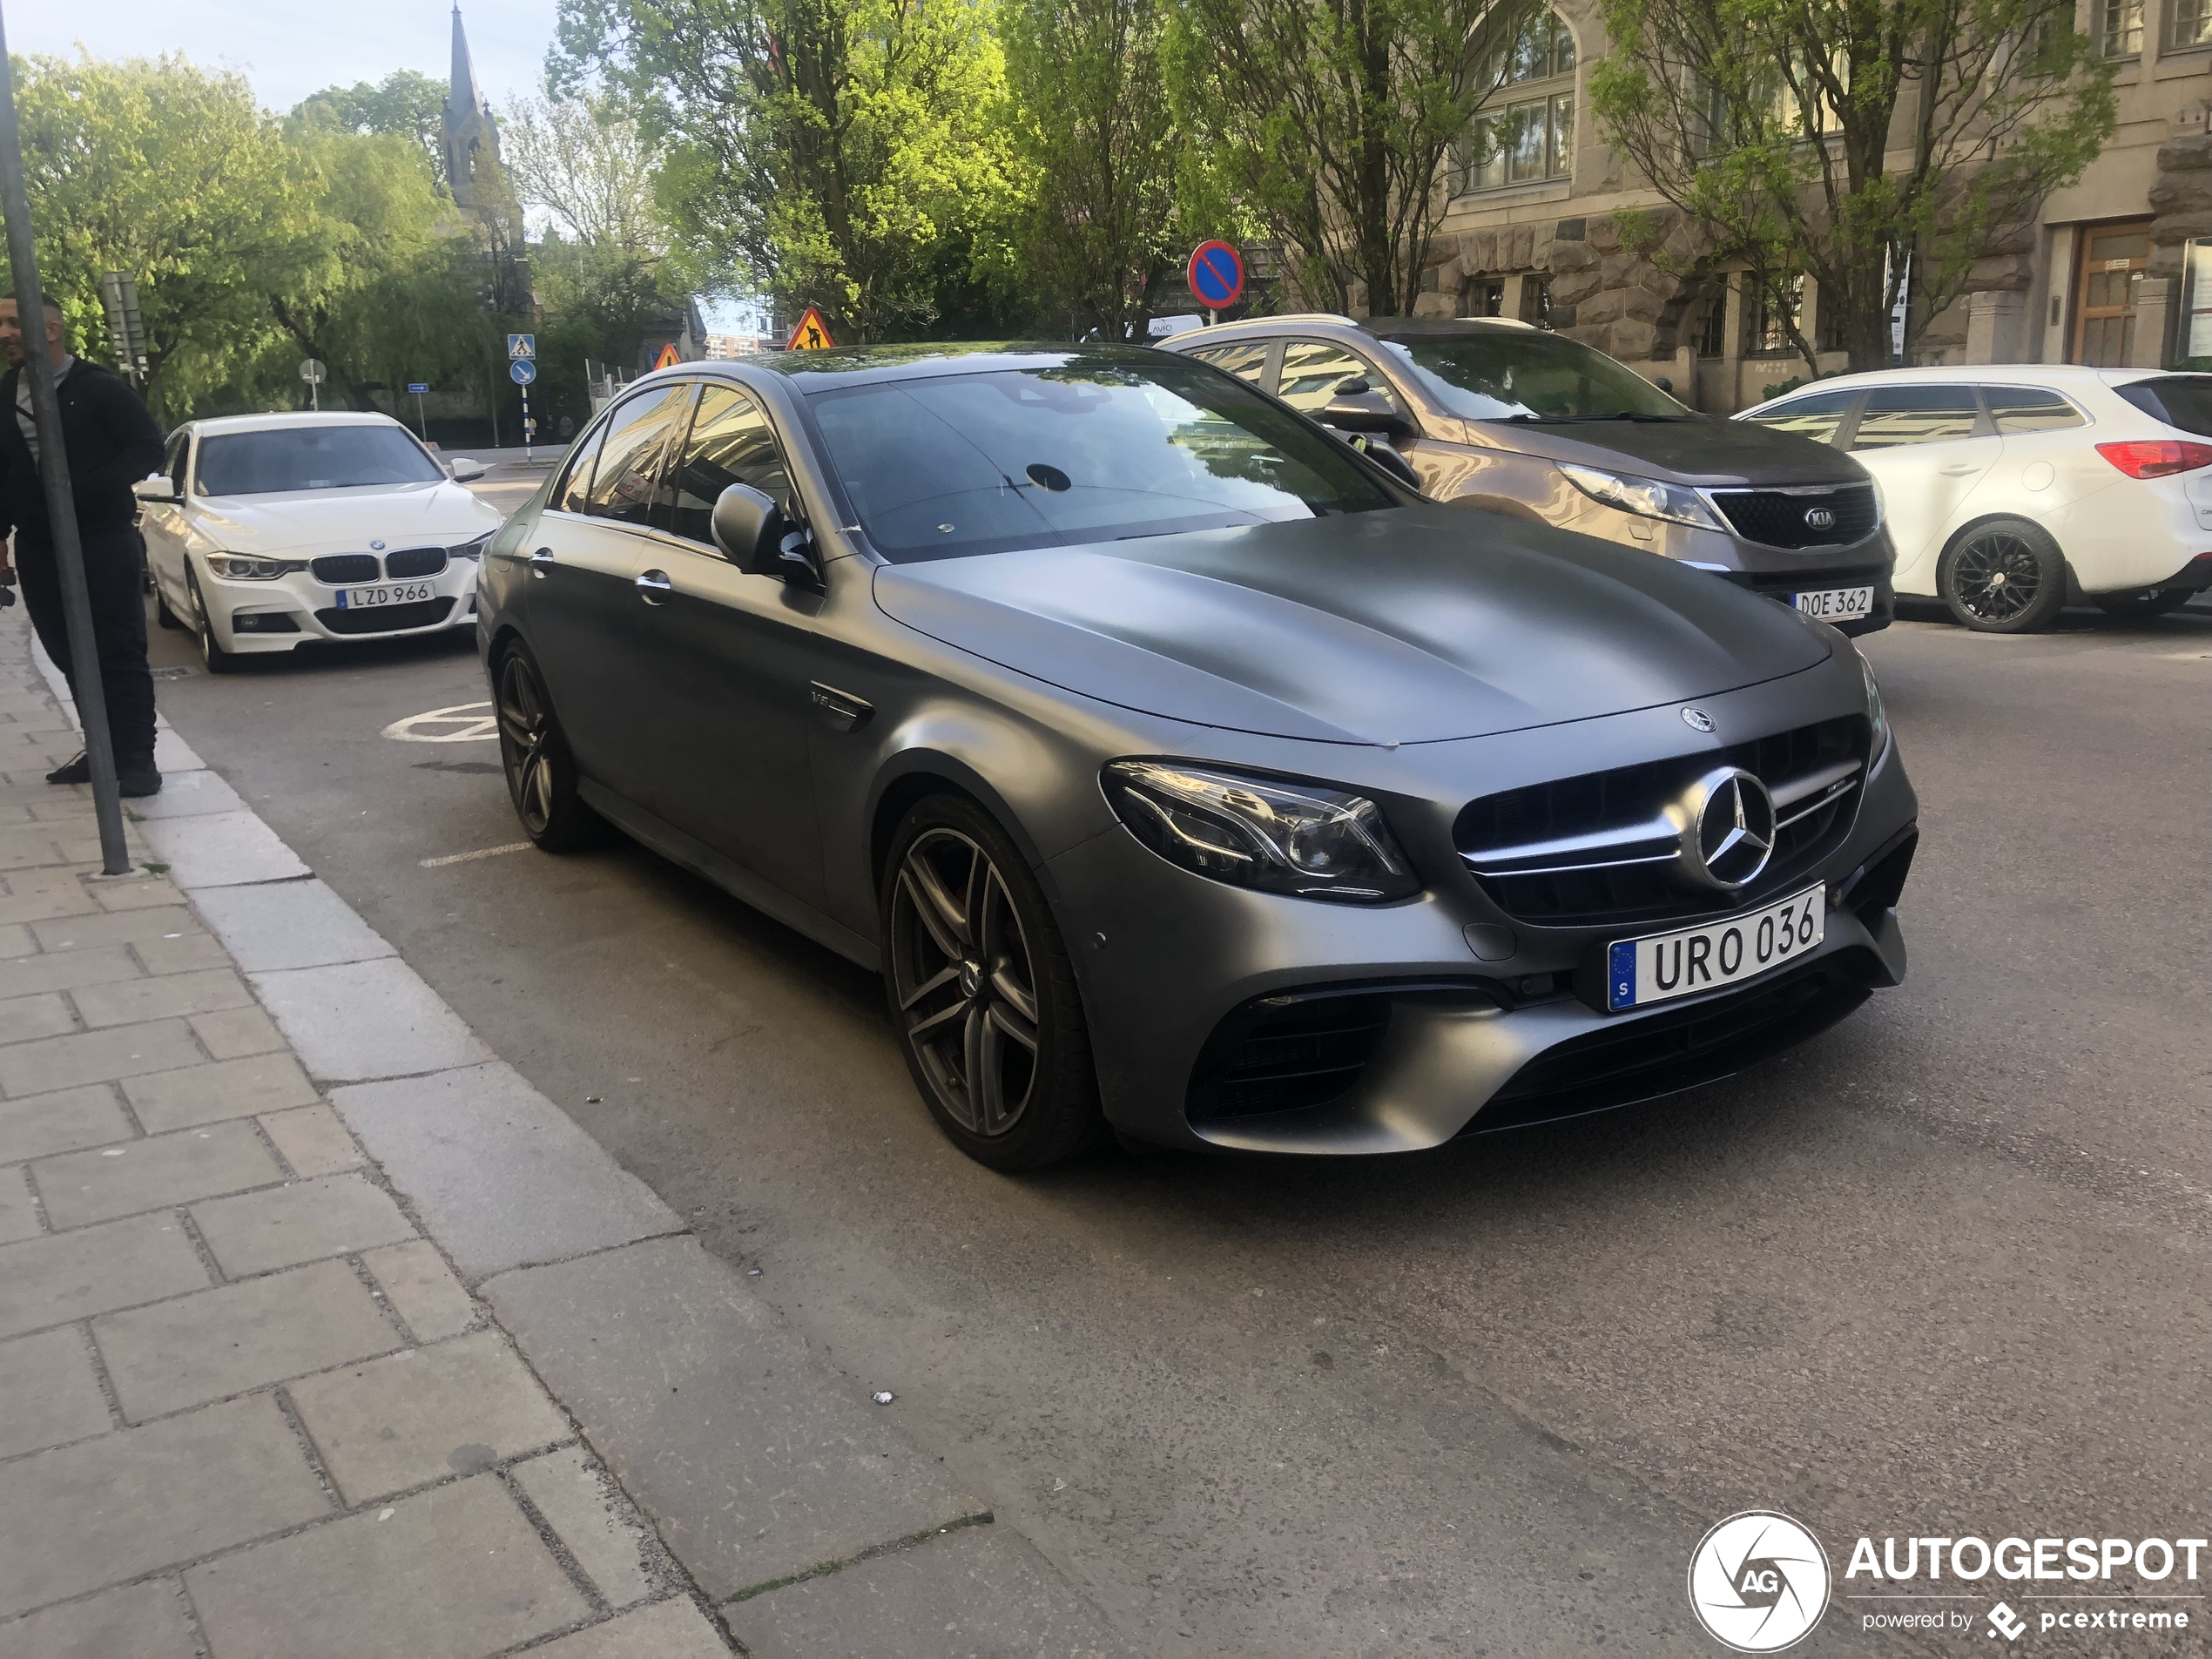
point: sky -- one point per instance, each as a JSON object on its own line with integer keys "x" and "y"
{"x": 288, "y": 50}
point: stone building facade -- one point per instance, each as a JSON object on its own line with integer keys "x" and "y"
{"x": 2103, "y": 276}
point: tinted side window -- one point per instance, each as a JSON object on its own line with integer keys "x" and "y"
{"x": 2182, "y": 401}
{"x": 1313, "y": 370}
{"x": 631, "y": 453}
{"x": 1818, "y": 415}
{"x": 573, "y": 494}
{"x": 1246, "y": 363}
{"x": 2028, "y": 408}
{"x": 731, "y": 443}
{"x": 1901, "y": 415}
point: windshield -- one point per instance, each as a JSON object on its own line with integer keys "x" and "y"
{"x": 311, "y": 457}
{"x": 2183, "y": 401}
{"x": 1093, "y": 450}
{"x": 1512, "y": 375}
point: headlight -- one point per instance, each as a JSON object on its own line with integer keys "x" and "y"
{"x": 1646, "y": 495}
{"x": 1876, "y": 716}
{"x": 237, "y": 567}
{"x": 1303, "y": 839}
{"x": 472, "y": 550}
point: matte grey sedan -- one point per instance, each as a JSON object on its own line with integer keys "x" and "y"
{"x": 1186, "y": 776}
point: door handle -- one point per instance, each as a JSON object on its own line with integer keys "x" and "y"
{"x": 1961, "y": 469}
{"x": 653, "y": 586}
{"x": 540, "y": 562}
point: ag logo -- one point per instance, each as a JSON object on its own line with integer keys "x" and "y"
{"x": 1758, "y": 1582}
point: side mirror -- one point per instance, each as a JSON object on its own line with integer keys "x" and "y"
{"x": 156, "y": 488}
{"x": 1663, "y": 384}
{"x": 1365, "y": 411}
{"x": 753, "y": 535}
{"x": 465, "y": 471}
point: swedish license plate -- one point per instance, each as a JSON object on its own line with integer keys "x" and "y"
{"x": 1664, "y": 966}
{"x": 396, "y": 593}
{"x": 1835, "y": 604}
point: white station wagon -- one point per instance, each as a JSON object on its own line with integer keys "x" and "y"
{"x": 267, "y": 531}
{"x": 2011, "y": 489}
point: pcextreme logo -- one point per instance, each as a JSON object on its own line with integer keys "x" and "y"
{"x": 1758, "y": 1581}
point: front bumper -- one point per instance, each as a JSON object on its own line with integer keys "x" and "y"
{"x": 280, "y": 614}
{"x": 1416, "y": 1040}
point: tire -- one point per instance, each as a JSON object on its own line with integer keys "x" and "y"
{"x": 2005, "y": 577}
{"x": 163, "y": 615}
{"x": 2142, "y": 606}
{"x": 217, "y": 660}
{"x": 533, "y": 754}
{"x": 980, "y": 985}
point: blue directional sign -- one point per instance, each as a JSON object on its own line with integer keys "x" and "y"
{"x": 520, "y": 346}
{"x": 417, "y": 388}
{"x": 522, "y": 371}
{"x": 1216, "y": 275}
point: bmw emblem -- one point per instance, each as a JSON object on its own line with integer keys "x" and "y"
{"x": 379, "y": 546}
{"x": 1697, "y": 720}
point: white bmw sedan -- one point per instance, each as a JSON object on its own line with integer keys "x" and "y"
{"x": 2011, "y": 489}
{"x": 266, "y": 531}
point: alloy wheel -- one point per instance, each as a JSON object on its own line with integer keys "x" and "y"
{"x": 964, "y": 982}
{"x": 1997, "y": 576}
{"x": 525, "y": 730}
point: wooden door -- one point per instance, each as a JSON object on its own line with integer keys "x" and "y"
{"x": 2111, "y": 261}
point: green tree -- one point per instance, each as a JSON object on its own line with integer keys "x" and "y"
{"x": 406, "y": 103}
{"x": 1829, "y": 140}
{"x": 1098, "y": 150}
{"x": 1335, "y": 123}
{"x": 825, "y": 150}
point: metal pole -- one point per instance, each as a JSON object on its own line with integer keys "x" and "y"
{"x": 526, "y": 423}
{"x": 421, "y": 425}
{"x": 61, "y": 506}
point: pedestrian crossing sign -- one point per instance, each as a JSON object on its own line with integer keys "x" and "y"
{"x": 812, "y": 334}
{"x": 521, "y": 345}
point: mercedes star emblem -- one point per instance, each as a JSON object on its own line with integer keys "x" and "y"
{"x": 1728, "y": 828}
{"x": 1697, "y": 720}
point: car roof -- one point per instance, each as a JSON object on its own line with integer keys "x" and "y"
{"x": 817, "y": 371}
{"x": 1374, "y": 328}
{"x": 2074, "y": 375}
{"x": 283, "y": 420}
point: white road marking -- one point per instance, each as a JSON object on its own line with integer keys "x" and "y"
{"x": 481, "y": 852}
{"x": 460, "y": 724}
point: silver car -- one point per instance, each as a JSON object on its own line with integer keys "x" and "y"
{"x": 1183, "y": 774}
{"x": 1486, "y": 412}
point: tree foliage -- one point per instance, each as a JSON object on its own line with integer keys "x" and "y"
{"x": 1824, "y": 139}
{"x": 1335, "y": 121}
{"x": 406, "y": 103}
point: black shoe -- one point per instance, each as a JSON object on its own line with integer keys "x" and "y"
{"x": 79, "y": 771}
{"x": 142, "y": 778}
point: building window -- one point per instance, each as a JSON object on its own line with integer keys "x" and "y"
{"x": 1536, "y": 301}
{"x": 1711, "y": 332}
{"x": 1775, "y": 310}
{"x": 1835, "y": 335}
{"x": 2120, "y": 28}
{"x": 2188, "y": 23}
{"x": 1484, "y": 297}
{"x": 1525, "y": 135}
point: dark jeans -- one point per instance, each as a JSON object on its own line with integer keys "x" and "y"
{"x": 112, "y": 573}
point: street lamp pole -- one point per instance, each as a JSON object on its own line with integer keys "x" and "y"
{"x": 61, "y": 506}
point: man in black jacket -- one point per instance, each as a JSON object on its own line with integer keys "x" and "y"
{"x": 111, "y": 443}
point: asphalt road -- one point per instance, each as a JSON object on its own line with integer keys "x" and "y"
{"x": 1942, "y": 1271}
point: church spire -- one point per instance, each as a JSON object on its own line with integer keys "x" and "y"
{"x": 463, "y": 95}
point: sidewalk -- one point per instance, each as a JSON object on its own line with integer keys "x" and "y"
{"x": 323, "y": 1336}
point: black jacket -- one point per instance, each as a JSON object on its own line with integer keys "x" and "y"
{"x": 112, "y": 441}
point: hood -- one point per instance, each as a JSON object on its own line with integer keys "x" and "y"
{"x": 303, "y": 522}
{"x": 1412, "y": 625}
{"x": 1712, "y": 453}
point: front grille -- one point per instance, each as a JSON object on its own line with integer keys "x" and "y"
{"x": 1662, "y": 1053}
{"x": 1780, "y": 584}
{"x": 336, "y": 570}
{"x": 1616, "y": 812}
{"x": 1298, "y": 1051}
{"x": 385, "y": 619}
{"x": 415, "y": 561}
{"x": 1777, "y": 517}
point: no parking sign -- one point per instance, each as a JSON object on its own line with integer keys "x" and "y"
{"x": 1216, "y": 275}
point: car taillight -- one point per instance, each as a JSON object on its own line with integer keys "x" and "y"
{"x": 2156, "y": 457}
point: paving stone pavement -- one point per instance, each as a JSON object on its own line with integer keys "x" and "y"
{"x": 323, "y": 1335}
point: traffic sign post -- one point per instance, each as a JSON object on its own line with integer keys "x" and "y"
{"x": 1217, "y": 277}
{"x": 314, "y": 374}
{"x": 522, "y": 371}
{"x": 417, "y": 388}
{"x": 812, "y": 334}
{"x": 520, "y": 346}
